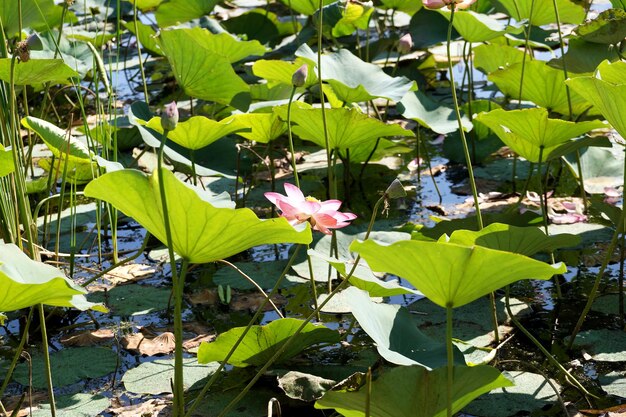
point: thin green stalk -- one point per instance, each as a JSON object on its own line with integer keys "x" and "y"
{"x": 46, "y": 359}
{"x": 313, "y": 286}
{"x": 450, "y": 354}
{"x": 330, "y": 173}
{"x": 179, "y": 390}
{"x": 18, "y": 352}
{"x": 141, "y": 70}
{"x": 254, "y": 319}
{"x": 291, "y": 148}
{"x": 468, "y": 159}
{"x": 368, "y": 392}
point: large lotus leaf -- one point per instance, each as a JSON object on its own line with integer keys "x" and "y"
{"x": 6, "y": 162}
{"x": 395, "y": 333}
{"x": 36, "y": 71}
{"x": 476, "y": 27}
{"x": 145, "y": 5}
{"x": 75, "y": 405}
{"x": 413, "y": 391}
{"x": 263, "y": 274}
{"x": 606, "y": 89}
{"x": 354, "y": 80}
{"x": 582, "y": 57}
{"x": 541, "y": 12}
{"x": 58, "y": 140}
{"x": 280, "y": 72}
{"x": 146, "y": 36}
{"x": 201, "y": 72}
{"x": 614, "y": 383}
{"x": 609, "y": 27}
{"x": 528, "y": 131}
{"x": 343, "y": 19}
{"x": 262, "y": 25}
{"x": 543, "y": 85}
{"x": 427, "y": 112}
{"x": 262, "y": 342}
{"x": 490, "y": 57}
{"x": 305, "y": 7}
{"x": 523, "y": 240}
{"x": 428, "y": 28}
{"x": 605, "y": 345}
{"x": 347, "y": 128}
{"x": 155, "y": 377}
{"x": 409, "y": 7}
{"x": 36, "y": 14}
{"x": 619, "y": 4}
{"x": 197, "y": 132}
{"x": 362, "y": 277}
{"x": 25, "y": 283}
{"x": 76, "y": 55}
{"x": 601, "y": 167}
{"x": 133, "y": 300}
{"x": 264, "y": 127}
{"x": 201, "y": 232}
{"x": 173, "y": 12}
{"x": 450, "y": 274}
{"x": 69, "y": 366}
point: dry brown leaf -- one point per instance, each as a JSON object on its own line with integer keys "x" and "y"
{"x": 130, "y": 273}
{"x": 150, "y": 408}
{"x": 195, "y": 342}
{"x": 88, "y": 337}
{"x": 11, "y": 402}
{"x": 252, "y": 301}
{"x": 205, "y": 296}
{"x": 137, "y": 342}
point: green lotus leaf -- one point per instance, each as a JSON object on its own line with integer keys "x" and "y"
{"x": 198, "y": 131}
{"x": 264, "y": 127}
{"x": 346, "y": 127}
{"x": 201, "y": 231}
{"x": 582, "y": 57}
{"x": 343, "y": 19}
{"x": 37, "y": 71}
{"x": 261, "y": 25}
{"x": 409, "y": 7}
{"x": 429, "y": 28}
{"x": 154, "y": 377}
{"x": 609, "y": 27}
{"x": 477, "y": 27}
{"x": 541, "y": 12}
{"x": 202, "y": 72}
{"x": 543, "y": 85}
{"x": 354, "y": 80}
{"x": 395, "y": 333}
{"x": 76, "y": 55}
{"x": 523, "y": 240}
{"x": 601, "y": 167}
{"x": 75, "y": 405}
{"x": 144, "y": 5}
{"x": 36, "y": 14}
{"x": 413, "y": 391}
{"x": 450, "y": 274}
{"x": 431, "y": 114}
{"x": 262, "y": 342}
{"x": 606, "y": 90}
{"x": 490, "y": 57}
{"x": 619, "y": 4}
{"x": 6, "y": 161}
{"x": 26, "y": 283}
{"x": 173, "y": 12}
{"x": 529, "y": 132}
{"x": 146, "y": 36}
{"x": 305, "y": 7}
{"x": 362, "y": 277}
{"x": 61, "y": 144}
{"x": 280, "y": 72}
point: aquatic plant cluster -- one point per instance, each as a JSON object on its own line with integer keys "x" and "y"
{"x": 355, "y": 308}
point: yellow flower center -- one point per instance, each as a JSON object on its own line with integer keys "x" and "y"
{"x": 313, "y": 199}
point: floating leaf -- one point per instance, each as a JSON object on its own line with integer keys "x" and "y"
{"x": 606, "y": 90}
{"x": 347, "y": 128}
{"x": 427, "y": 112}
{"x": 197, "y": 132}
{"x": 69, "y": 366}
{"x": 608, "y": 27}
{"x": 614, "y": 383}
{"x": 155, "y": 377}
{"x": 601, "y": 167}
{"x": 604, "y": 344}
{"x": 543, "y": 85}
{"x": 523, "y": 240}
{"x": 353, "y": 80}
{"x": 529, "y": 132}
{"x": 173, "y": 12}
{"x": 262, "y": 342}
{"x": 202, "y": 72}
{"x": 201, "y": 232}
{"x": 75, "y": 405}
{"x": 450, "y": 274}
{"x": 264, "y": 274}
{"x": 395, "y": 333}
{"x": 37, "y": 71}
{"x": 541, "y": 12}
{"x": 26, "y": 283}
{"x": 413, "y": 391}
{"x": 304, "y": 387}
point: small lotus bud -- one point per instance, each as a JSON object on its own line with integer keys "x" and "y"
{"x": 169, "y": 118}
{"x": 405, "y": 44}
{"x": 298, "y": 79}
{"x": 395, "y": 190}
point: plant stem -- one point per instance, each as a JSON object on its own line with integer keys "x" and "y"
{"x": 46, "y": 359}
{"x": 450, "y": 353}
{"x": 141, "y": 70}
{"x": 18, "y": 352}
{"x": 291, "y": 148}
{"x": 329, "y": 169}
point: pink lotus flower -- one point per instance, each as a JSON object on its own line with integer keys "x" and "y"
{"x": 438, "y": 4}
{"x": 296, "y": 208}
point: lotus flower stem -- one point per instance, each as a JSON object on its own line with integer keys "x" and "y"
{"x": 46, "y": 359}
{"x": 450, "y": 354}
{"x": 291, "y": 148}
{"x": 18, "y": 352}
{"x": 146, "y": 96}
{"x": 254, "y": 319}
{"x": 311, "y": 316}
{"x": 312, "y": 276}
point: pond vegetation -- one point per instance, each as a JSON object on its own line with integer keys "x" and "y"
{"x": 298, "y": 207}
